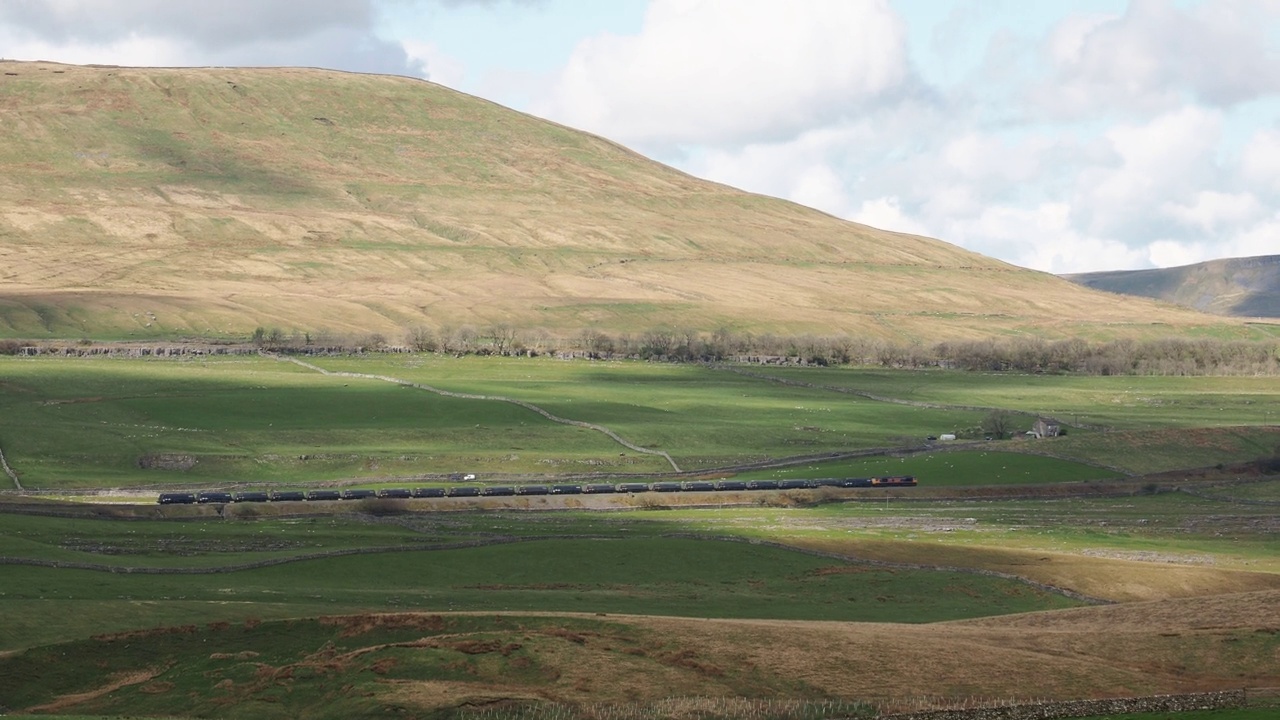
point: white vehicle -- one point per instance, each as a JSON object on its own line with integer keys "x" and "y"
{"x": 469, "y": 476}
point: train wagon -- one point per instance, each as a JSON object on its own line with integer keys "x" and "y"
{"x": 187, "y": 498}
{"x": 286, "y": 495}
{"x": 894, "y": 481}
{"x": 176, "y": 498}
{"x": 213, "y": 497}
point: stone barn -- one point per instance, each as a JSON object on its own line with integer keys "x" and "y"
{"x": 1046, "y": 427}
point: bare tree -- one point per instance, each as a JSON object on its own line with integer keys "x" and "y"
{"x": 658, "y": 343}
{"x": 504, "y": 336}
{"x": 998, "y": 423}
{"x": 421, "y": 339}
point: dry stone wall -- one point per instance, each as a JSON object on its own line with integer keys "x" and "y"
{"x": 1085, "y": 708}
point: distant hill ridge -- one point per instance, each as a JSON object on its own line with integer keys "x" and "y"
{"x": 169, "y": 202}
{"x": 1242, "y": 287}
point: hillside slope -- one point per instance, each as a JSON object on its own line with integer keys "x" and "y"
{"x": 1244, "y": 287}
{"x": 167, "y": 202}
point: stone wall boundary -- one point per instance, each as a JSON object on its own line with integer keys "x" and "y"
{"x": 4, "y": 464}
{"x": 1053, "y": 710}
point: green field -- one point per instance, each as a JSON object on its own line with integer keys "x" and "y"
{"x": 1172, "y": 526}
{"x": 949, "y": 469}
{"x": 89, "y": 423}
{"x": 649, "y": 562}
{"x": 613, "y": 573}
{"x": 100, "y": 422}
{"x": 1100, "y": 402}
{"x": 993, "y": 528}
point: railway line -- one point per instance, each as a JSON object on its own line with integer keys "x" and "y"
{"x": 202, "y": 497}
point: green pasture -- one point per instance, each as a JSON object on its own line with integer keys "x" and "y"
{"x": 652, "y": 576}
{"x": 1172, "y": 524}
{"x": 206, "y": 543}
{"x": 1139, "y": 424}
{"x": 1168, "y": 526}
{"x": 1084, "y": 401}
{"x": 1151, "y": 451}
{"x": 91, "y": 422}
{"x": 703, "y": 417}
{"x": 1264, "y": 491}
{"x": 103, "y": 422}
{"x": 948, "y": 469}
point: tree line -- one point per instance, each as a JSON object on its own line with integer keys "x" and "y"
{"x": 1166, "y": 356}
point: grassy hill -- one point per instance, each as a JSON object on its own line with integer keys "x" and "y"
{"x": 419, "y": 664}
{"x": 169, "y": 202}
{"x": 1244, "y": 287}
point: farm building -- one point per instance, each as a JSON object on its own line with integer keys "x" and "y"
{"x": 1046, "y": 427}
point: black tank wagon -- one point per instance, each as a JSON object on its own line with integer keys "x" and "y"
{"x": 210, "y": 496}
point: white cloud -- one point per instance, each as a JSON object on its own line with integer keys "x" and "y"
{"x": 1260, "y": 160}
{"x": 129, "y": 51}
{"x": 440, "y": 67}
{"x": 1075, "y": 254}
{"x": 1067, "y": 41}
{"x": 1158, "y": 55}
{"x": 724, "y": 72}
{"x": 329, "y": 33}
{"x": 1262, "y": 238}
{"x": 1213, "y": 211}
{"x": 1166, "y": 160}
{"x": 211, "y": 26}
{"x": 886, "y": 213}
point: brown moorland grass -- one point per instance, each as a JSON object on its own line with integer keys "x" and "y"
{"x": 1172, "y": 646}
{"x": 114, "y": 683}
{"x": 1114, "y": 579}
{"x": 168, "y": 202}
{"x": 1149, "y": 648}
{"x": 1259, "y": 609}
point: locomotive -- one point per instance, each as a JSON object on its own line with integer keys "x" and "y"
{"x": 206, "y": 497}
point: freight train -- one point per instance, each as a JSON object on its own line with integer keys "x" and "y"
{"x": 204, "y": 497}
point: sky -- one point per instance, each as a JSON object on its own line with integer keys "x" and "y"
{"x": 1058, "y": 135}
